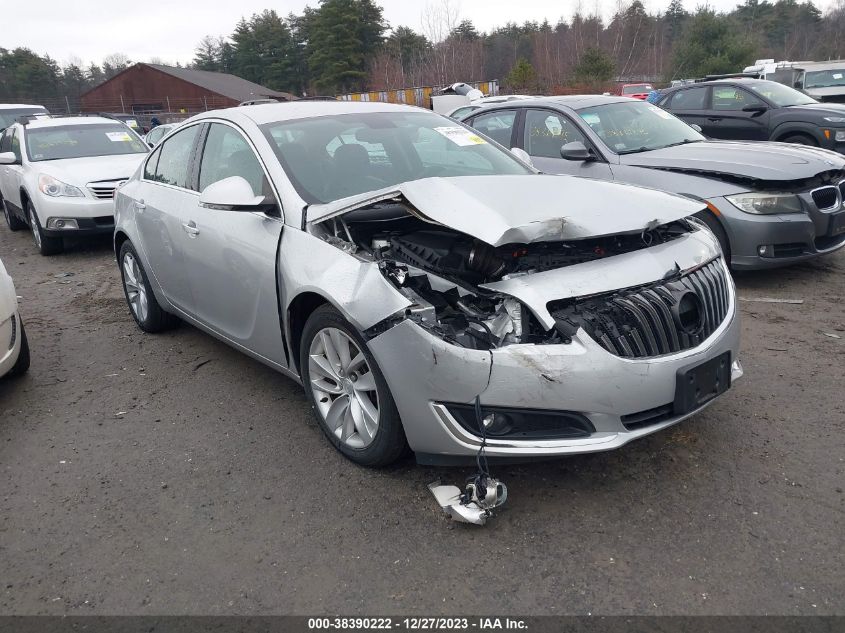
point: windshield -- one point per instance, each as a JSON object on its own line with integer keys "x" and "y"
{"x": 78, "y": 141}
{"x": 637, "y": 127}
{"x": 10, "y": 115}
{"x": 779, "y": 94}
{"x": 825, "y": 78}
{"x": 332, "y": 157}
{"x": 636, "y": 89}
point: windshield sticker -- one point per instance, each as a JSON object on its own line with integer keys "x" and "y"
{"x": 119, "y": 137}
{"x": 620, "y": 146}
{"x": 460, "y": 136}
{"x": 837, "y": 75}
{"x": 591, "y": 119}
{"x": 660, "y": 112}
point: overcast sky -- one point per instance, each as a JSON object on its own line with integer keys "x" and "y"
{"x": 88, "y": 30}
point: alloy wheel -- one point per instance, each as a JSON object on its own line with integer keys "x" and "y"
{"x": 344, "y": 387}
{"x": 136, "y": 291}
{"x": 36, "y": 232}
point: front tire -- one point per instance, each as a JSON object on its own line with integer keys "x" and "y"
{"x": 801, "y": 139}
{"x": 22, "y": 364}
{"x": 46, "y": 244}
{"x": 143, "y": 305}
{"x": 348, "y": 392}
{"x": 12, "y": 221}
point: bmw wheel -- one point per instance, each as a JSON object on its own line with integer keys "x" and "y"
{"x": 348, "y": 392}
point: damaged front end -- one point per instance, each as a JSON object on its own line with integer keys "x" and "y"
{"x": 451, "y": 279}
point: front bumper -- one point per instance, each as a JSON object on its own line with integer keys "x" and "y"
{"x": 788, "y": 238}
{"x": 92, "y": 216}
{"x": 10, "y": 342}
{"x": 423, "y": 372}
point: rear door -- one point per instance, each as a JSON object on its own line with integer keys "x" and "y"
{"x": 545, "y": 132}
{"x": 231, "y": 255}
{"x": 727, "y": 120}
{"x": 690, "y": 104}
{"x": 162, "y": 206}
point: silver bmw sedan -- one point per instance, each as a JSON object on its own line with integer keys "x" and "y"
{"x": 429, "y": 289}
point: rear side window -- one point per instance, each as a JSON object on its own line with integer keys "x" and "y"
{"x": 227, "y": 154}
{"x": 497, "y": 125}
{"x": 689, "y": 99}
{"x": 175, "y": 158}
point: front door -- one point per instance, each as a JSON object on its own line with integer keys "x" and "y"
{"x": 546, "y": 132}
{"x": 726, "y": 118}
{"x": 231, "y": 256}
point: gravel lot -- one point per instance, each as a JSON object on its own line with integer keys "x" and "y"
{"x": 171, "y": 475}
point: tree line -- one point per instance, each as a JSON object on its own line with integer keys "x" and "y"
{"x": 346, "y": 45}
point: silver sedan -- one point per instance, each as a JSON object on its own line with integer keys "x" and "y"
{"x": 430, "y": 290}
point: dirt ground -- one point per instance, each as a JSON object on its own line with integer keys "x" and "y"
{"x": 169, "y": 474}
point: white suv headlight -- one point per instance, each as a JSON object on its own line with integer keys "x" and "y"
{"x": 766, "y": 203}
{"x": 54, "y": 188}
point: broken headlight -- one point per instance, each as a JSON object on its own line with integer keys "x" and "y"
{"x": 766, "y": 203}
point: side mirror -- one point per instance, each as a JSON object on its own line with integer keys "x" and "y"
{"x": 522, "y": 155}
{"x": 231, "y": 194}
{"x": 755, "y": 108}
{"x": 697, "y": 128}
{"x": 575, "y": 150}
{"x": 9, "y": 158}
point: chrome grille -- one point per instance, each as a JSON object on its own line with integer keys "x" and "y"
{"x": 642, "y": 322}
{"x": 826, "y": 197}
{"x": 104, "y": 190}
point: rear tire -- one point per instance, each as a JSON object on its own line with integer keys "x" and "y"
{"x": 800, "y": 139}
{"x": 22, "y": 364}
{"x": 12, "y": 221}
{"x": 141, "y": 300}
{"x": 349, "y": 391}
{"x": 46, "y": 244}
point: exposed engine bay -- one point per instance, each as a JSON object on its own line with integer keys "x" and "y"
{"x": 440, "y": 270}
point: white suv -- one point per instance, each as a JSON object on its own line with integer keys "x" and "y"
{"x": 58, "y": 176}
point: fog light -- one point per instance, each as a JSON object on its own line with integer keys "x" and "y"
{"x": 496, "y": 423}
{"x": 62, "y": 223}
{"x": 765, "y": 250}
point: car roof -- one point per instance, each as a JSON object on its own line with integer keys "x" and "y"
{"x": 11, "y": 106}
{"x": 69, "y": 120}
{"x": 290, "y": 111}
{"x": 743, "y": 81}
{"x": 575, "y": 102}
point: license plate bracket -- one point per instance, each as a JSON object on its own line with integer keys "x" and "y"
{"x": 697, "y": 385}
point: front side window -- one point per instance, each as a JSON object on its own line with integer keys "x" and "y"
{"x": 630, "y": 127}
{"x": 81, "y": 141}
{"x": 151, "y": 165}
{"x": 227, "y": 154}
{"x": 733, "y": 99}
{"x": 6, "y": 141}
{"x": 332, "y": 157}
{"x": 175, "y": 158}
{"x": 546, "y": 132}
{"x": 16, "y": 144}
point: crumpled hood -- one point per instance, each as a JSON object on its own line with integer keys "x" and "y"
{"x": 757, "y": 161}
{"x": 530, "y": 208}
{"x": 80, "y": 171}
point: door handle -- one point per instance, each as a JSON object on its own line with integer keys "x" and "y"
{"x": 715, "y": 119}
{"x": 140, "y": 206}
{"x": 191, "y": 228}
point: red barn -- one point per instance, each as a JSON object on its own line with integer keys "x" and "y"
{"x": 149, "y": 88}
